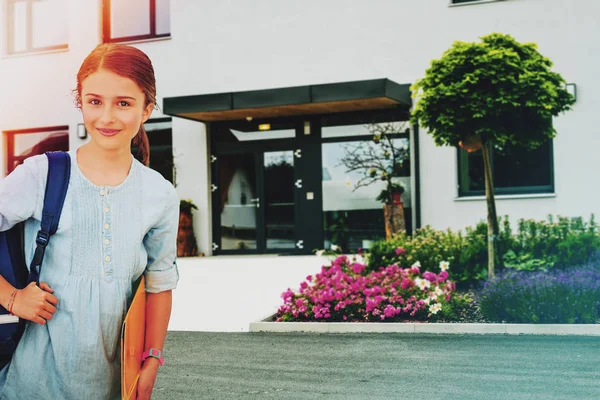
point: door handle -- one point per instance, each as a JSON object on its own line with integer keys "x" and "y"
{"x": 257, "y": 201}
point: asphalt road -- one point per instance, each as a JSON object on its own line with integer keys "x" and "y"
{"x": 378, "y": 366}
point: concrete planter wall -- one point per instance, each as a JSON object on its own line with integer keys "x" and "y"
{"x": 427, "y": 328}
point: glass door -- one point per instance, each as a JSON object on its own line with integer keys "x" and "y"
{"x": 256, "y": 196}
{"x": 280, "y": 200}
{"x": 239, "y": 202}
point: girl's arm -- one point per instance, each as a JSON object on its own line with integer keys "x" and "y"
{"x": 161, "y": 278}
{"x": 18, "y": 202}
{"x": 158, "y": 312}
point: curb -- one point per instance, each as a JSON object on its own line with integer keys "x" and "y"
{"x": 434, "y": 328}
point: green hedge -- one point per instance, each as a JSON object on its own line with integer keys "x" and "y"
{"x": 536, "y": 245}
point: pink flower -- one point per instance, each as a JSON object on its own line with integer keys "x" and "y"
{"x": 443, "y": 275}
{"x": 430, "y": 276}
{"x": 390, "y": 311}
{"x": 406, "y": 283}
{"x": 358, "y": 268}
{"x": 287, "y": 295}
{"x": 400, "y": 251}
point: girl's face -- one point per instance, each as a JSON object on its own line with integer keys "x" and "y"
{"x": 113, "y": 109}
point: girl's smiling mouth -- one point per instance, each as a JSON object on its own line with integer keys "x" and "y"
{"x": 108, "y": 132}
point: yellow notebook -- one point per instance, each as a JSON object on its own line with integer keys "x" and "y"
{"x": 133, "y": 336}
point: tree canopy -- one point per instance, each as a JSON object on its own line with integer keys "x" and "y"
{"x": 498, "y": 88}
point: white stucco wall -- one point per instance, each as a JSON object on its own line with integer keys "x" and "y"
{"x": 222, "y": 46}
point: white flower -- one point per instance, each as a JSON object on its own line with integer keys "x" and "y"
{"x": 417, "y": 264}
{"x": 422, "y": 283}
{"x": 319, "y": 253}
{"x": 335, "y": 247}
{"x": 434, "y": 308}
{"x": 438, "y": 292}
{"x": 444, "y": 265}
{"x": 427, "y": 300}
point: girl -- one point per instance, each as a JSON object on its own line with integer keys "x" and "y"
{"x": 119, "y": 221}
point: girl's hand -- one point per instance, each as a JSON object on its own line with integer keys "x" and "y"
{"x": 147, "y": 379}
{"x": 36, "y": 304}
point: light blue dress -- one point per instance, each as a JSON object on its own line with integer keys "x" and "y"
{"x": 107, "y": 237}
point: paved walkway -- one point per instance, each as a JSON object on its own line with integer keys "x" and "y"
{"x": 378, "y": 366}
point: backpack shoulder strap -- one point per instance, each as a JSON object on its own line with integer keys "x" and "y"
{"x": 57, "y": 183}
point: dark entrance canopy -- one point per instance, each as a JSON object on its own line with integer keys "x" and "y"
{"x": 284, "y": 102}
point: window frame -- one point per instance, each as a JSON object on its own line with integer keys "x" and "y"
{"x": 516, "y": 190}
{"x": 107, "y": 25}
{"x": 29, "y": 48}
{"x": 9, "y": 137}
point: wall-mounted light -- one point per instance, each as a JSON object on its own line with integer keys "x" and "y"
{"x": 264, "y": 127}
{"x": 572, "y": 89}
{"x": 81, "y": 131}
{"x": 307, "y": 127}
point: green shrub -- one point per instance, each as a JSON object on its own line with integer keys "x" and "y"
{"x": 466, "y": 253}
{"x": 462, "y": 307}
{"x": 555, "y": 243}
{"x": 558, "y": 242}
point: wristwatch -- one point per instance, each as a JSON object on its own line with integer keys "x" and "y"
{"x": 155, "y": 353}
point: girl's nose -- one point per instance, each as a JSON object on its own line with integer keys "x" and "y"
{"x": 108, "y": 115}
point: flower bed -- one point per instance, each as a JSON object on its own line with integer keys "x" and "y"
{"x": 569, "y": 296}
{"x": 346, "y": 291}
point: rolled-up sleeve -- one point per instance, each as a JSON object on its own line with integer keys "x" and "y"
{"x": 161, "y": 245}
{"x": 19, "y": 194}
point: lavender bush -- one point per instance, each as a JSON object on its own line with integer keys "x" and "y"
{"x": 562, "y": 296}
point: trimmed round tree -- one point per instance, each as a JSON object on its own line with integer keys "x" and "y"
{"x": 494, "y": 91}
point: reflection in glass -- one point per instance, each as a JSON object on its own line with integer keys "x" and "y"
{"x": 514, "y": 170}
{"x": 163, "y": 20}
{"x": 160, "y": 137}
{"x": 19, "y": 21}
{"x": 243, "y": 136}
{"x": 129, "y": 18}
{"x": 279, "y": 199}
{"x": 353, "y": 217}
{"x": 49, "y": 23}
{"x": 238, "y": 201}
{"x": 34, "y": 143}
{"x": 364, "y": 129}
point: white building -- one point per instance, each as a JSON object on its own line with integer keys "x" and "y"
{"x": 263, "y": 165}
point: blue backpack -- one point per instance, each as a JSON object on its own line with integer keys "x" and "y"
{"x": 12, "y": 252}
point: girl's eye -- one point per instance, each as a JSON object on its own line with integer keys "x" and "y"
{"x": 94, "y": 102}
{"x": 123, "y": 104}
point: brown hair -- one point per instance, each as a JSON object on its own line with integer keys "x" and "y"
{"x": 128, "y": 62}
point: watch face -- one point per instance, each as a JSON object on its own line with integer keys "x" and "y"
{"x": 155, "y": 353}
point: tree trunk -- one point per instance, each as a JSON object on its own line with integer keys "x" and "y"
{"x": 492, "y": 219}
{"x": 394, "y": 219}
{"x": 186, "y": 241}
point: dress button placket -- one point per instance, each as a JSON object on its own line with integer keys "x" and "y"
{"x": 107, "y": 258}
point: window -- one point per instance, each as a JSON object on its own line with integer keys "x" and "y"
{"x": 160, "y": 137}
{"x": 352, "y": 215}
{"x": 514, "y": 170}
{"x": 129, "y": 20}
{"x": 36, "y": 25}
{"x": 25, "y": 143}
